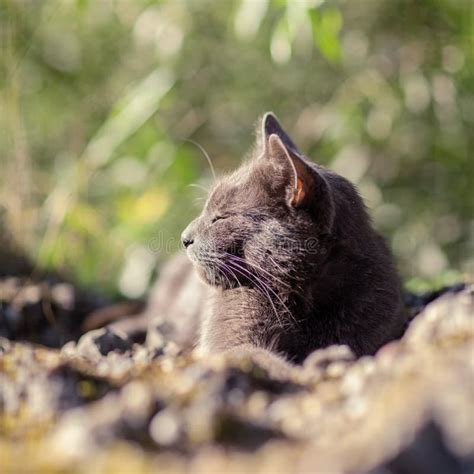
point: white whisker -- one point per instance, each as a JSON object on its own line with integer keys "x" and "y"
{"x": 198, "y": 186}
{"x": 262, "y": 287}
{"x": 204, "y": 152}
{"x": 258, "y": 268}
{"x": 270, "y": 289}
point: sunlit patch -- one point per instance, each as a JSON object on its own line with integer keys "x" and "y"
{"x": 147, "y": 208}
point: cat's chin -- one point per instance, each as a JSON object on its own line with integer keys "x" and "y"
{"x": 212, "y": 278}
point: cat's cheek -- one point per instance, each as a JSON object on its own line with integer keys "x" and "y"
{"x": 256, "y": 248}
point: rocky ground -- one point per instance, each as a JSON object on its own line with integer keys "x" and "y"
{"x": 409, "y": 409}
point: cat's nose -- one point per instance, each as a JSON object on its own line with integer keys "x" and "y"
{"x": 186, "y": 239}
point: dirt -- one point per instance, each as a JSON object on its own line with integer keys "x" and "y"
{"x": 410, "y": 408}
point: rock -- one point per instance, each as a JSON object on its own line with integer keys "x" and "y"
{"x": 165, "y": 428}
{"x": 322, "y": 358}
{"x": 5, "y": 345}
{"x": 99, "y": 342}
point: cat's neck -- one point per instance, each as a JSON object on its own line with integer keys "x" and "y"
{"x": 245, "y": 315}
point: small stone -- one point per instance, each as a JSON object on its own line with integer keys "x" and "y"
{"x": 155, "y": 341}
{"x": 5, "y": 345}
{"x": 141, "y": 355}
{"x": 100, "y": 342}
{"x": 367, "y": 365}
{"x": 352, "y": 382}
{"x": 171, "y": 349}
{"x": 336, "y": 369}
{"x": 69, "y": 349}
{"x": 31, "y": 294}
{"x": 321, "y": 358}
{"x": 257, "y": 403}
{"x": 63, "y": 294}
{"x": 72, "y": 440}
{"x": 164, "y": 428}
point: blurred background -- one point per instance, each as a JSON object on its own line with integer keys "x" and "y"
{"x": 107, "y": 105}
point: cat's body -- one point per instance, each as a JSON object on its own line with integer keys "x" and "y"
{"x": 290, "y": 259}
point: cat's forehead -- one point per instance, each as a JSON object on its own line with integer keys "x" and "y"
{"x": 243, "y": 187}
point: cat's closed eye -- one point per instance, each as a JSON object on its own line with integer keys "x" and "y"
{"x": 219, "y": 218}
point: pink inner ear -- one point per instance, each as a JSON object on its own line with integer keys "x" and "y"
{"x": 299, "y": 193}
{"x": 278, "y": 151}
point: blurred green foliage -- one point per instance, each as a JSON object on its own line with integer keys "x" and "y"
{"x": 98, "y": 100}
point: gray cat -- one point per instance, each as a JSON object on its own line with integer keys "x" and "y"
{"x": 289, "y": 260}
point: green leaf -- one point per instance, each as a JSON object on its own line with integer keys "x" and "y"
{"x": 327, "y": 25}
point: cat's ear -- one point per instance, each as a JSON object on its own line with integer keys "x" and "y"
{"x": 301, "y": 178}
{"x": 270, "y": 126}
{"x": 305, "y": 186}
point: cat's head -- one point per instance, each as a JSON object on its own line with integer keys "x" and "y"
{"x": 267, "y": 223}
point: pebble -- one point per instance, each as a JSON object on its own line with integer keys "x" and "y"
{"x": 164, "y": 428}
{"x": 336, "y": 369}
{"x": 352, "y": 382}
